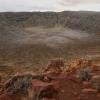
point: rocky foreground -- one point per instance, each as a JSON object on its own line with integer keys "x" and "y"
{"x": 79, "y": 80}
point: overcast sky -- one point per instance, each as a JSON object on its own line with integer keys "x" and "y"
{"x": 49, "y": 5}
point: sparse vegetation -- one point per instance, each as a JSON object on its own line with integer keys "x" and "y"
{"x": 85, "y": 74}
{"x": 19, "y": 83}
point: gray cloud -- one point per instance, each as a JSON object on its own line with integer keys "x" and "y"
{"x": 78, "y": 2}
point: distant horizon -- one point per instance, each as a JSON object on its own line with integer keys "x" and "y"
{"x": 48, "y": 11}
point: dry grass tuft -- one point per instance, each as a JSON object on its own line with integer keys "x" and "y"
{"x": 18, "y": 83}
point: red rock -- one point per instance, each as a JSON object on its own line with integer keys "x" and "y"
{"x": 87, "y": 84}
{"x": 96, "y": 67}
{"x": 93, "y": 91}
{"x": 74, "y": 79}
{"x": 96, "y": 77}
{"x": 45, "y": 89}
{"x": 88, "y": 94}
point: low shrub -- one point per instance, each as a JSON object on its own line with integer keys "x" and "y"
{"x": 19, "y": 83}
{"x": 84, "y": 74}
